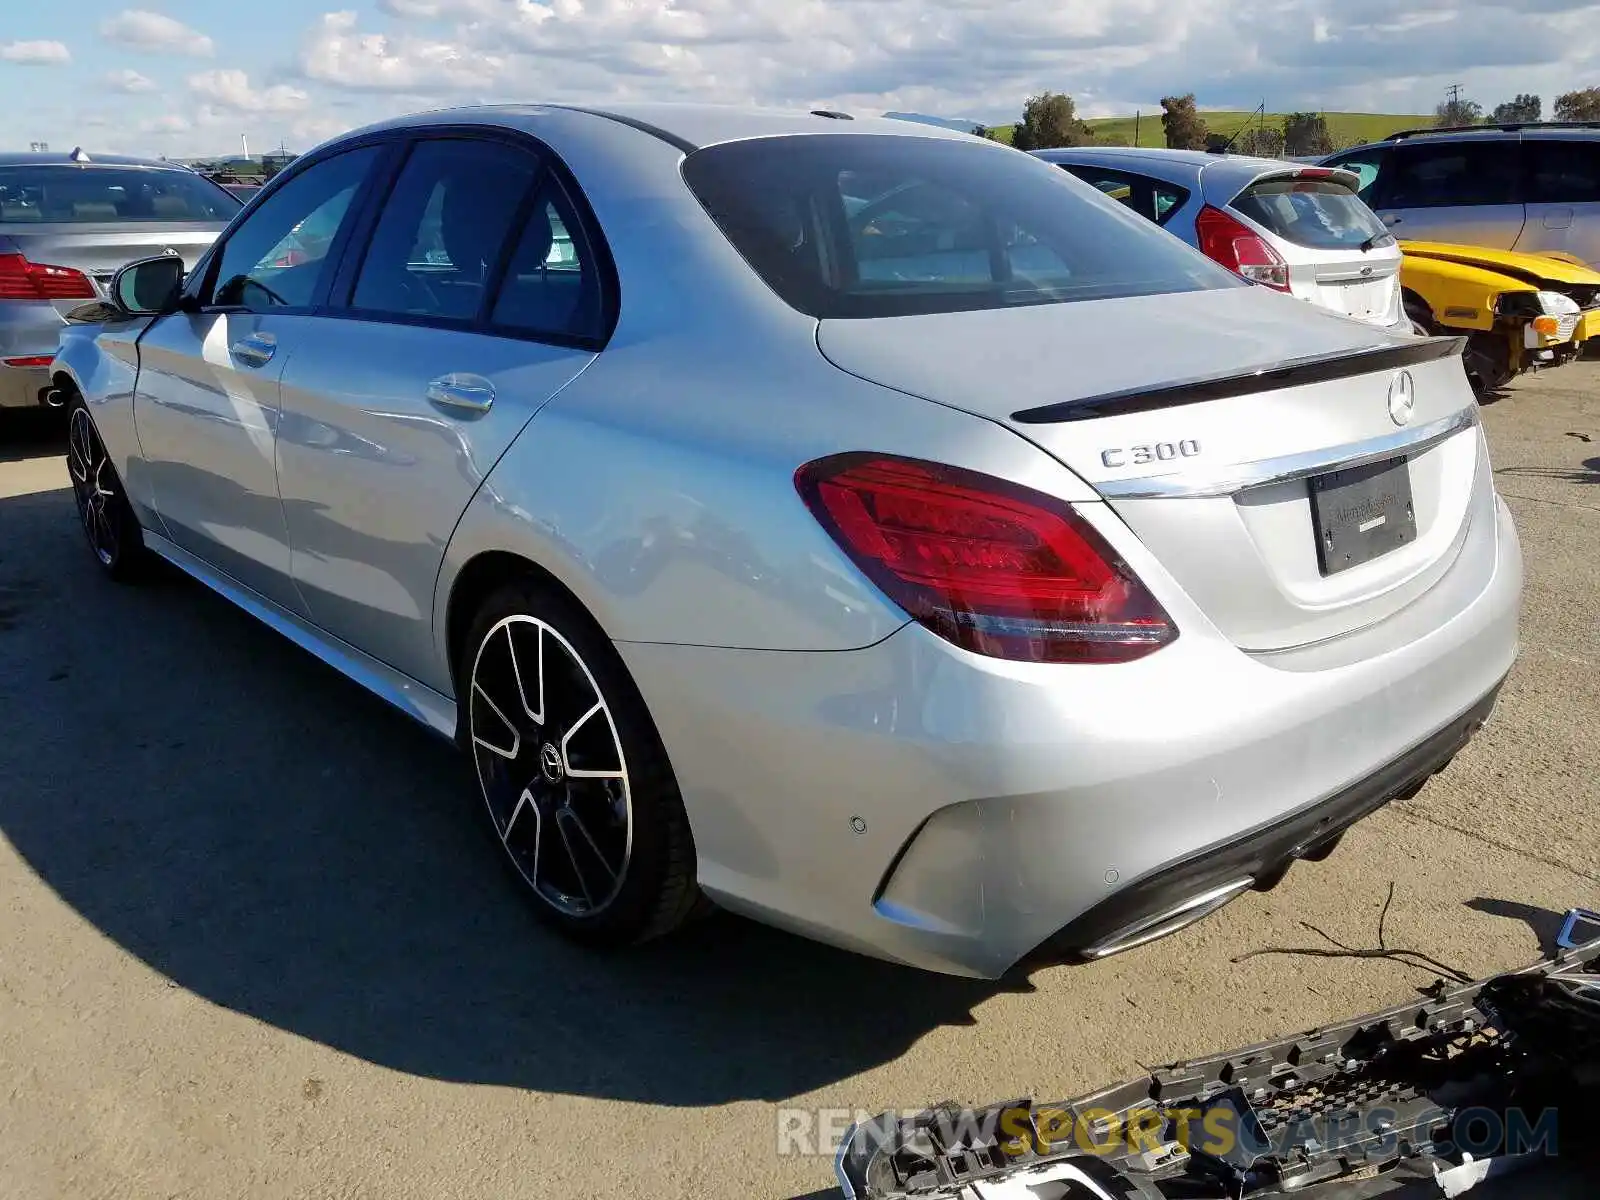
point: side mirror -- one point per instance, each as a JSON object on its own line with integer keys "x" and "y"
{"x": 148, "y": 287}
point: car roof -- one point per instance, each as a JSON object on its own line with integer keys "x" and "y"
{"x": 688, "y": 126}
{"x": 30, "y": 158}
{"x": 1547, "y": 131}
{"x": 1174, "y": 166}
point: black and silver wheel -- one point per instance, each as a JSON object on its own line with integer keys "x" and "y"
{"x": 578, "y": 789}
{"x": 103, "y": 509}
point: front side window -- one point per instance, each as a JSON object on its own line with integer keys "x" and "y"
{"x": 849, "y": 226}
{"x": 278, "y": 256}
{"x": 65, "y": 193}
{"x": 1451, "y": 174}
{"x": 443, "y": 228}
{"x": 1322, "y": 214}
{"x": 1368, "y": 166}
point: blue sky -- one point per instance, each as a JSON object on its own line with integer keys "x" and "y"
{"x": 186, "y": 77}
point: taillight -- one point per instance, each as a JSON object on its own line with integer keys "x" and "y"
{"x": 24, "y": 280}
{"x": 996, "y": 568}
{"x": 1244, "y": 252}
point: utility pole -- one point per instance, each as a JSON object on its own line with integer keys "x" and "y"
{"x": 1136, "y": 114}
{"x": 1454, "y": 92}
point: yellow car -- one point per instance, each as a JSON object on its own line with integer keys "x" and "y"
{"x": 1518, "y": 311}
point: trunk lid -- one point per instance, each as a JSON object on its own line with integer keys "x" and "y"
{"x": 1173, "y": 409}
{"x": 98, "y": 249}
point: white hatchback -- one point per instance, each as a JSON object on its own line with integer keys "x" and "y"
{"x": 1295, "y": 228}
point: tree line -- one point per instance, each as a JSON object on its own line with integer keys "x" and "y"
{"x": 1050, "y": 120}
{"x": 1583, "y": 105}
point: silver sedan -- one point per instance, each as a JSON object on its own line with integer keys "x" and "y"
{"x": 67, "y": 222}
{"x": 866, "y": 528}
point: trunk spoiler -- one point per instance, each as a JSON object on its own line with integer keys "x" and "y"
{"x": 1296, "y": 372}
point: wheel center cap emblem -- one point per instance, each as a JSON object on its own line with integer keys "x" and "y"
{"x": 550, "y": 763}
{"x": 1402, "y": 398}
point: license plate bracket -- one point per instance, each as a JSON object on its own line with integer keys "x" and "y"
{"x": 1361, "y": 513}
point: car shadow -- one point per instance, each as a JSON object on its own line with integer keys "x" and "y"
{"x": 32, "y": 433}
{"x": 268, "y": 836}
{"x": 1546, "y": 925}
{"x": 1586, "y": 472}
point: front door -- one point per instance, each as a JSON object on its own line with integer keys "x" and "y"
{"x": 1461, "y": 190}
{"x": 433, "y": 357}
{"x": 207, "y": 399}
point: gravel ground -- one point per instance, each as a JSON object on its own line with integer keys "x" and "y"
{"x": 253, "y": 945}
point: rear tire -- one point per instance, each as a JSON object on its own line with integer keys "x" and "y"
{"x": 576, "y": 784}
{"x": 107, "y": 518}
{"x": 1421, "y": 320}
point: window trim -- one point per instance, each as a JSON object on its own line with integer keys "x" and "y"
{"x": 200, "y": 287}
{"x": 549, "y": 167}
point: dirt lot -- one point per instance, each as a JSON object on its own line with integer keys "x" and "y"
{"x": 252, "y": 944}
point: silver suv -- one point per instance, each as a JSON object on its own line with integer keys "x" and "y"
{"x": 1511, "y": 187}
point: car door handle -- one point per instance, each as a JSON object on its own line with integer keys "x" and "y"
{"x": 256, "y": 349}
{"x": 461, "y": 393}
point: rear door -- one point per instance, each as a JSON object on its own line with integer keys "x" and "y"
{"x": 1463, "y": 190}
{"x": 1563, "y": 191}
{"x": 206, "y": 406}
{"x": 478, "y": 295}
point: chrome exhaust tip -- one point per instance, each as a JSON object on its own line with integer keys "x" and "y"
{"x": 1159, "y": 925}
{"x": 53, "y": 398}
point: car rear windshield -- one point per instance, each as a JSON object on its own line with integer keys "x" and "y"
{"x": 83, "y": 194}
{"x": 869, "y": 225}
{"x": 1322, "y": 214}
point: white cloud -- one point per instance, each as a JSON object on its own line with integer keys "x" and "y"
{"x": 36, "y": 54}
{"x": 129, "y": 81}
{"x": 971, "y": 58}
{"x": 157, "y": 33}
{"x": 232, "y": 90}
{"x": 168, "y": 124}
{"x": 310, "y": 131}
{"x": 336, "y": 52}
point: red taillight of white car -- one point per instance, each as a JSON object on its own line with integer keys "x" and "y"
{"x": 996, "y": 568}
{"x": 24, "y": 280}
{"x": 1235, "y": 245}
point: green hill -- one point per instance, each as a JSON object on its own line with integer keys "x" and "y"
{"x": 1348, "y": 129}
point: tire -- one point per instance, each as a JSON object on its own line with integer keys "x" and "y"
{"x": 546, "y": 701}
{"x": 104, "y": 513}
{"x": 1421, "y": 321}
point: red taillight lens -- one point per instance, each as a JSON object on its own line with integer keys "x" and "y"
{"x": 996, "y": 568}
{"x": 24, "y": 280}
{"x": 1235, "y": 246}
{"x": 29, "y": 361}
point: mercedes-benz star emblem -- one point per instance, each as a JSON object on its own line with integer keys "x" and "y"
{"x": 1402, "y": 397}
{"x": 550, "y": 763}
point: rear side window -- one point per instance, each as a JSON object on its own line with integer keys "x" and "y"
{"x": 1153, "y": 199}
{"x": 552, "y": 284}
{"x": 1317, "y": 213}
{"x": 1562, "y": 172}
{"x": 1447, "y": 174}
{"x": 65, "y": 193}
{"x": 852, "y": 226}
{"x": 442, "y": 230}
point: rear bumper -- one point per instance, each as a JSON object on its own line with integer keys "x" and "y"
{"x": 1186, "y": 891}
{"x": 923, "y": 804}
{"x": 28, "y": 329}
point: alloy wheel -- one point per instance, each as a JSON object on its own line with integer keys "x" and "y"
{"x": 551, "y": 766}
{"x": 94, "y": 486}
